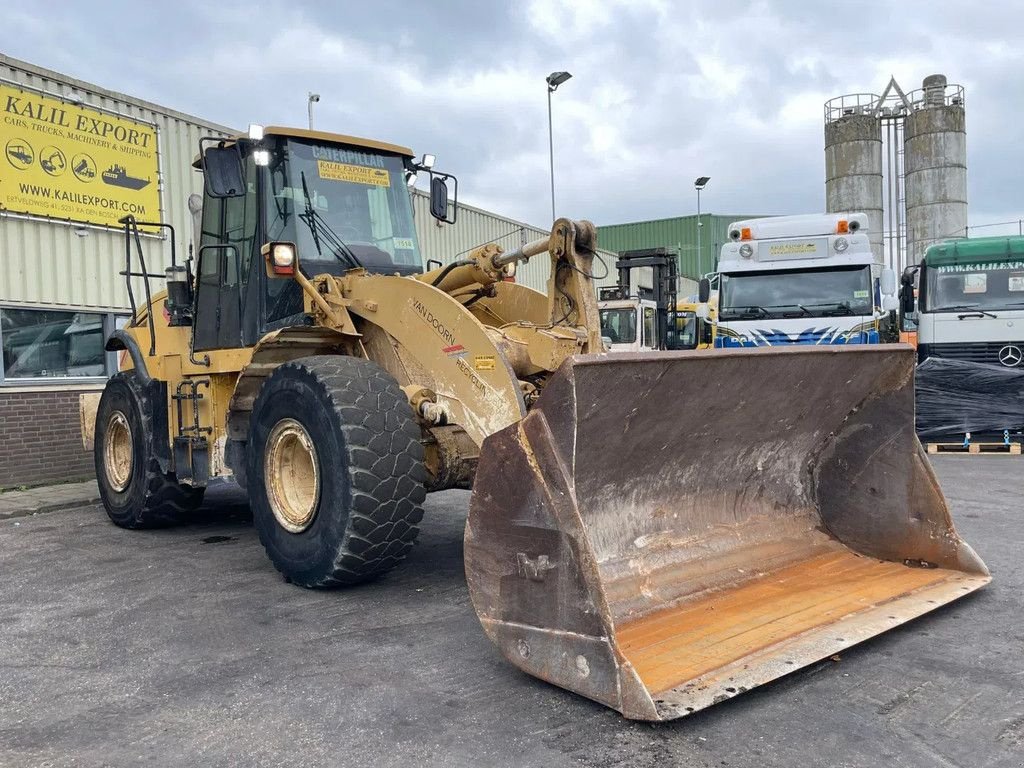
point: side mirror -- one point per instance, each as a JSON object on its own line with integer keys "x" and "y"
{"x": 890, "y": 303}
{"x": 704, "y": 290}
{"x": 223, "y": 170}
{"x": 907, "y": 299}
{"x": 888, "y": 282}
{"x": 438, "y": 198}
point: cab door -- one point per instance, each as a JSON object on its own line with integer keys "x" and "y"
{"x": 225, "y": 257}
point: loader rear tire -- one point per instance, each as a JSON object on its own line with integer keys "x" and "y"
{"x": 134, "y": 491}
{"x": 335, "y": 468}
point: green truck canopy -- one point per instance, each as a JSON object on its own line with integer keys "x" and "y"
{"x": 975, "y": 250}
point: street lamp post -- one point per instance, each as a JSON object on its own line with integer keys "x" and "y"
{"x": 313, "y": 99}
{"x": 553, "y": 80}
{"x": 699, "y": 184}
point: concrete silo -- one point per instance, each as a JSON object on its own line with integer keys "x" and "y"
{"x": 935, "y": 165}
{"x": 853, "y": 161}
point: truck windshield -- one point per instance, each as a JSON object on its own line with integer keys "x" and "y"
{"x": 342, "y": 206}
{"x": 619, "y": 325}
{"x": 959, "y": 287}
{"x": 796, "y": 293}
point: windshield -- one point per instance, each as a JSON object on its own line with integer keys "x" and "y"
{"x": 974, "y": 286}
{"x": 342, "y": 206}
{"x": 619, "y": 325}
{"x": 686, "y": 331}
{"x": 796, "y": 293}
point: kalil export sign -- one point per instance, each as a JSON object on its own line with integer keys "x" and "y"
{"x": 72, "y": 162}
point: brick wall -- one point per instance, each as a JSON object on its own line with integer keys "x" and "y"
{"x": 40, "y": 440}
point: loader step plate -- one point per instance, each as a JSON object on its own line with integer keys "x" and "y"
{"x": 680, "y": 644}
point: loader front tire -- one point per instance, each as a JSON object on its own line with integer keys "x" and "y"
{"x": 335, "y": 468}
{"x": 134, "y": 491}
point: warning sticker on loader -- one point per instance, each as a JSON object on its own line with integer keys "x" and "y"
{"x": 356, "y": 174}
{"x": 484, "y": 362}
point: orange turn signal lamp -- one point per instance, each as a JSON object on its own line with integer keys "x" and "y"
{"x": 745, "y": 234}
{"x": 843, "y": 227}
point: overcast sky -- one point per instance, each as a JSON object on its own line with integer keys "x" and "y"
{"x": 661, "y": 92}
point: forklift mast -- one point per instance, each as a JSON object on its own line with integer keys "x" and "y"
{"x": 665, "y": 269}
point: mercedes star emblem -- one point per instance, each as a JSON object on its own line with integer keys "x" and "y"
{"x": 1010, "y": 356}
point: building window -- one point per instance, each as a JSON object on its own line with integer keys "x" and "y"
{"x": 47, "y": 344}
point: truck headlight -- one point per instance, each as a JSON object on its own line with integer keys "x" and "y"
{"x": 746, "y": 250}
{"x": 840, "y": 244}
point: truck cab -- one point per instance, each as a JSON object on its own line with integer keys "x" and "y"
{"x": 809, "y": 279}
{"x": 627, "y": 325}
{"x": 970, "y": 301}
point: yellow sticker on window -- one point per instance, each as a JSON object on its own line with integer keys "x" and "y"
{"x": 357, "y": 174}
{"x": 484, "y": 362}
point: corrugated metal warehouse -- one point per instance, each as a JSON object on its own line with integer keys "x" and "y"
{"x": 60, "y": 293}
{"x": 678, "y": 234}
{"x": 474, "y": 227}
{"x": 77, "y": 158}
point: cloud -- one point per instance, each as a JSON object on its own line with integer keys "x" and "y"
{"x": 661, "y": 92}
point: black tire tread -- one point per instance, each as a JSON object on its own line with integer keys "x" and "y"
{"x": 385, "y": 469}
{"x": 165, "y": 501}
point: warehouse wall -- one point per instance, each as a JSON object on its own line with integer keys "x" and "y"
{"x": 40, "y": 439}
{"x": 46, "y": 262}
{"x": 70, "y": 271}
{"x": 474, "y": 227}
{"x": 679, "y": 233}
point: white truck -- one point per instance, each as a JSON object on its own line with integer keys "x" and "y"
{"x": 970, "y": 303}
{"x": 808, "y": 279}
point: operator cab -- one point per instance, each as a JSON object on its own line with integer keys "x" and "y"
{"x": 339, "y": 202}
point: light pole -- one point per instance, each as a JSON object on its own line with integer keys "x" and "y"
{"x": 699, "y": 184}
{"x": 313, "y": 99}
{"x": 553, "y": 80}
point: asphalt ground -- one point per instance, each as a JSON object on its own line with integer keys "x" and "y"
{"x": 185, "y": 647}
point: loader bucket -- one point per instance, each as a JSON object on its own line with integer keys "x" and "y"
{"x": 665, "y": 530}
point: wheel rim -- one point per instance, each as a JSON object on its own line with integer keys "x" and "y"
{"x": 292, "y": 475}
{"x": 118, "y": 451}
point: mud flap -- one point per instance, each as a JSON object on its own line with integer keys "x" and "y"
{"x": 666, "y": 530}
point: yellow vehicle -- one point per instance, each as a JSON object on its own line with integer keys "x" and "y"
{"x": 311, "y": 359}
{"x": 693, "y": 326}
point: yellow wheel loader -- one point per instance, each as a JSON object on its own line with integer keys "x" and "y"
{"x": 656, "y": 531}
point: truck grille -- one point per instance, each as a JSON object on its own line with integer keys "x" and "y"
{"x": 975, "y": 351}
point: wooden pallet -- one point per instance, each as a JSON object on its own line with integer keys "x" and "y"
{"x": 1012, "y": 449}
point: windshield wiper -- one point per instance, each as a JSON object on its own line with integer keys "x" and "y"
{"x": 310, "y": 216}
{"x": 832, "y": 308}
{"x": 975, "y": 313}
{"x": 804, "y": 311}
{"x": 750, "y": 311}
{"x": 315, "y": 222}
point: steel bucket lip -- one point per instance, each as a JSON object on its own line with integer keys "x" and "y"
{"x": 766, "y": 665}
{"x": 895, "y": 349}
